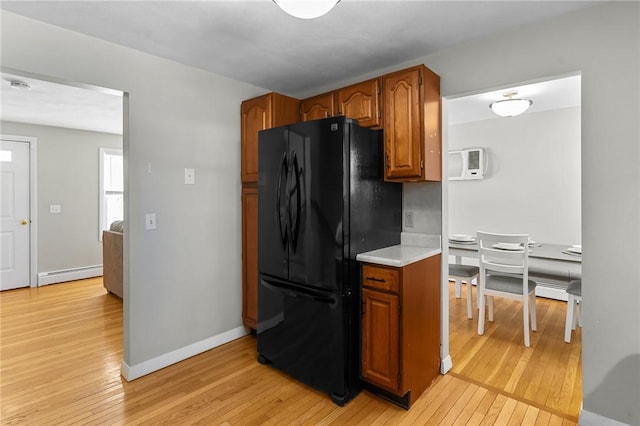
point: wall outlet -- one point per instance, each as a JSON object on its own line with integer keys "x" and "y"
{"x": 150, "y": 221}
{"x": 189, "y": 176}
{"x": 55, "y": 208}
{"x": 408, "y": 219}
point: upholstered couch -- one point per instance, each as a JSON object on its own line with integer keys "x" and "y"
{"x": 112, "y": 258}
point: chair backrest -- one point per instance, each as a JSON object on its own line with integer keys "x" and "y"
{"x": 512, "y": 258}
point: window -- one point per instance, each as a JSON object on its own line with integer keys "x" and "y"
{"x": 111, "y": 188}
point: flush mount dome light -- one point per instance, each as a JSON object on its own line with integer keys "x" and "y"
{"x": 510, "y": 107}
{"x": 306, "y": 9}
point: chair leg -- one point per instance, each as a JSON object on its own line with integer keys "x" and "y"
{"x": 569, "y": 321}
{"x": 577, "y": 313}
{"x": 525, "y": 317}
{"x": 457, "y": 287}
{"x": 469, "y": 301}
{"x": 532, "y": 308}
{"x": 490, "y": 308}
{"x": 481, "y": 309}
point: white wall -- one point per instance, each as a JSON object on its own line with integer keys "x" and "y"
{"x": 532, "y": 184}
{"x": 182, "y": 280}
{"x": 67, "y": 175}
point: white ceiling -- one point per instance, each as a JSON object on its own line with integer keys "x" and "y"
{"x": 545, "y": 95}
{"x": 255, "y": 42}
{"x": 60, "y": 105}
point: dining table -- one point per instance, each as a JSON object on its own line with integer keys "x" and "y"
{"x": 552, "y": 266}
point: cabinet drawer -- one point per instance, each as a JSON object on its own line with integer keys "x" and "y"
{"x": 381, "y": 278}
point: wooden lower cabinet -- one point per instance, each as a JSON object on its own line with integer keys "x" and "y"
{"x": 401, "y": 329}
{"x": 380, "y": 338}
{"x": 250, "y": 257}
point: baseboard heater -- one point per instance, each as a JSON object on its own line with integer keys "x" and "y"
{"x": 71, "y": 274}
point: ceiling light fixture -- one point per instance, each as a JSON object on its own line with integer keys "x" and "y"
{"x": 306, "y": 9}
{"x": 510, "y": 107}
{"x": 17, "y": 84}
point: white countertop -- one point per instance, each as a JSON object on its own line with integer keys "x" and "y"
{"x": 398, "y": 256}
{"x": 413, "y": 247}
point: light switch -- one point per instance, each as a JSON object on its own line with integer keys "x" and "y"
{"x": 189, "y": 176}
{"x": 150, "y": 221}
{"x": 54, "y": 208}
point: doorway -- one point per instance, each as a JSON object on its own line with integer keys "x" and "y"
{"x": 71, "y": 123}
{"x": 533, "y": 178}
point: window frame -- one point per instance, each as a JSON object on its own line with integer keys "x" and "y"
{"x": 102, "y": 205}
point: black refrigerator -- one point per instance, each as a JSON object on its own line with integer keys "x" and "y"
{"x": 322, "y": 200}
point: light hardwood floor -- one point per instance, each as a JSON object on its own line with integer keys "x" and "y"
{"x": 61, "y": 348}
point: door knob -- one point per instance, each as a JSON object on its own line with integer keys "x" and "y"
{"x": 23, "y": 222}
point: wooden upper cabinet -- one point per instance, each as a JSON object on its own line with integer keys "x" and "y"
{"x": 412, "y": 122}
{"x": 361, "y": 102}
{"x": 321, "y": 106}
{"x": 263, "y": 112}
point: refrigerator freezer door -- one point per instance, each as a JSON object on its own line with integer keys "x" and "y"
{"x": 273, "y": 238}
{"x": 301, "y": 331}
{"x": 316, "y": 203}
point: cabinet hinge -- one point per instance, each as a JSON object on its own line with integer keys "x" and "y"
{"x": 379, "y": 114}
{"x": 421, "y": 164}
{"x": 420, "y": 80}
{"x": 379, "y": 89}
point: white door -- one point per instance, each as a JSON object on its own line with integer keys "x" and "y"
{"x": 15, "y": 220}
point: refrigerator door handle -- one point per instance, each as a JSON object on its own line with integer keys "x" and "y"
{"x": 283, "y": 170}
{"x": 294, "y": 220}
{"x": 298, "y": 292}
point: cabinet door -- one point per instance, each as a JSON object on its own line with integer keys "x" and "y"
{"x": 250, "y": 257}
{"x": 255, "y": 115}
{"x": 402, "y": 125}
{"x": 361, "y": 102}
{"x": 380, "y": 339}
{"x": 264, "y": 112}
{"x": 320, "y": 106}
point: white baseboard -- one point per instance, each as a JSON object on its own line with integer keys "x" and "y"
{"x": 142, "y": 369}
{"x": 551, "y": 292}
{"x": 588, "y": 418}
{"x": 446, "y": 364}
{"x": 52, "y": 277}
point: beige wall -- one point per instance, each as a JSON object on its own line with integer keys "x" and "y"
{"x": 182, "y": 280}
{"x": 532, "y": 184}
{"x": 67, "y": 175}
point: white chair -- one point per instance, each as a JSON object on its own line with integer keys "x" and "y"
{"x": 574, "y": 291}
{"x": 504, "y": 262}
{"x": 465, "y": 273}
